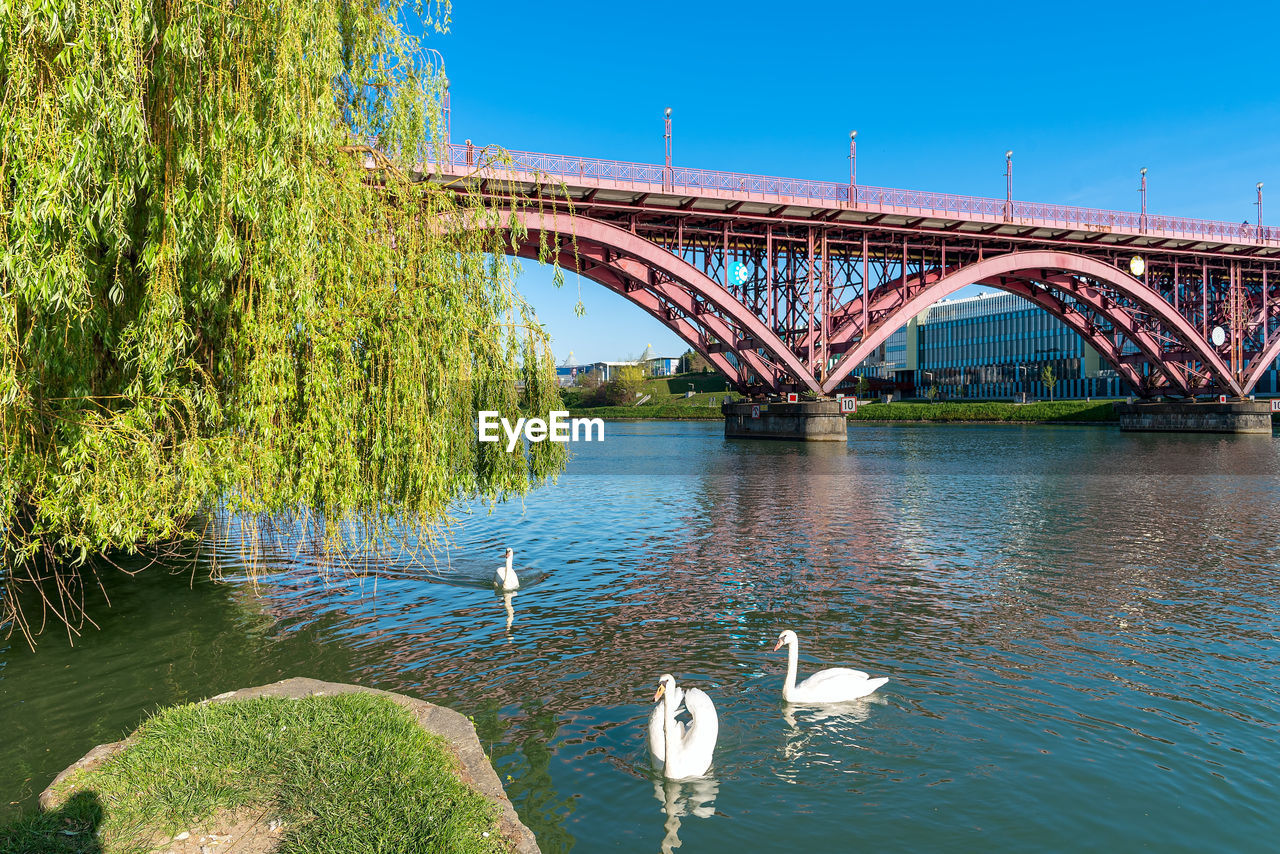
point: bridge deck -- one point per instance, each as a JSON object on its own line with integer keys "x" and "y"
{"x": 682, "y": 189}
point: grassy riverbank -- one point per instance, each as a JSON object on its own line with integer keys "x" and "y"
{"x": 348, "y": 773}
{"x": 664, "y": 412}
{"x": 1059, "y": 411}
{"x": 1069, "y": 411}
{"x": 664, "y": 399}
{"x": 668, "y": 399}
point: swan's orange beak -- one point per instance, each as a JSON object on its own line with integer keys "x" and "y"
{"x": 662, "y": 689}
{"x": 777, "y": 646}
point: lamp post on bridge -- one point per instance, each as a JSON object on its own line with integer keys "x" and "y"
{"x": 1008, "y": 185}
{"x": 1142, "y": 223}
{"x": 444, "y": 95}
{"x": 853, "y": 167}
{"x": 670, "y": 181}
{"x": 1259, "y": 204}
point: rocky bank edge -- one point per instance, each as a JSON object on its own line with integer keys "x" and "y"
{"x": 473, "y": 766}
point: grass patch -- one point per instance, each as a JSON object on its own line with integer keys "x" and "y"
{"x": 676, "y": 386}
{"x": 1096, "y": 411}
{"x": 352, "y": 773}
{"x": 661, "y": 412}
{"x": 1068, "y": 411}
{"x": 662, "y": 391}
{"x": 667, "y": 400}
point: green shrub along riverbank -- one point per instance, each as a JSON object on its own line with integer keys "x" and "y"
{"x": 349, "y": 773}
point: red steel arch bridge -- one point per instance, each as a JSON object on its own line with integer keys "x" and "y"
{"x": 787, "y": 285}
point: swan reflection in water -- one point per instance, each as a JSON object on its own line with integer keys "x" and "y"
{"x": 840, "y": 714}
{"x": 682, "y": 798}
{"x": 823, "y": 735}
{"x": 507, "y": 596}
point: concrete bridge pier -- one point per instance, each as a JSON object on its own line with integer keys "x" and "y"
{"x": 1196, "y": 416}
{"x": 806, "y": 421}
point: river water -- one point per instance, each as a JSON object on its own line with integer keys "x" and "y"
{"x": 1080, "y": 629}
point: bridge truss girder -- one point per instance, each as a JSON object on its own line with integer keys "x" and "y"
{"x": 819, "y": 296}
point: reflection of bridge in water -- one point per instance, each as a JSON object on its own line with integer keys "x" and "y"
{"x": 788, "y": 285}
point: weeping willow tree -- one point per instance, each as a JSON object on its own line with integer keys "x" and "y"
{"x": 222, "y": 288}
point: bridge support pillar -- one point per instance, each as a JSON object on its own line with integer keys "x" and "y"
{"x": 1237, "y": 416}
{"x": 807, "y": 421}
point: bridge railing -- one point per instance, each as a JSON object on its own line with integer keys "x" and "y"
{"x": 658, "y": 178}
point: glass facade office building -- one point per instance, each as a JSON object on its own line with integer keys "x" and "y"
{"x": 1269, "y": 382}
{"x": 993, "y": 346}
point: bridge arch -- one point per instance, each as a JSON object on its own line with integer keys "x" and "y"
{"x": 888, "y": 298}
{"x": 1024, "y": 273}
{"x": 652, "y": 305}
{"x": 687, "y": 301}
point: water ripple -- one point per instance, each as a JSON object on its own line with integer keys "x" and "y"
{"x": 1080, "y": 628}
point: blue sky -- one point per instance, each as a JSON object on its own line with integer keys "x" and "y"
{"x": 1084, "y": 94}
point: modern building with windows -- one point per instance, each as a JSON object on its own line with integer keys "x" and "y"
{"x": 654, "y": 366}
{"x": 1269, "y": 382}
{"x": 994, "y": 345}
{"x": 659, "y": 366}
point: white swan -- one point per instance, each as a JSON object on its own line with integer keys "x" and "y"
{"x": 826, "y": 686}
{"x": 505, "y": 576}
{"x": 657, "y": 746}
{"x": 687, "y": 747}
